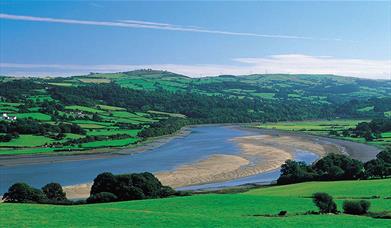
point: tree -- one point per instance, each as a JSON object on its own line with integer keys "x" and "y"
{"x": 337, "y": 167}
{"x": 104, "y": 182}
{"x": 368, "y": 136}
{"x": 133, "y": 186}
{"x": 54, "y": 191}
{"x": 375, "y": 168}
{"x": 385, "y": 155}
{"x": 324, "y": 202}
{"x": 293, "y": 171}
{"x": 23, "y": 193}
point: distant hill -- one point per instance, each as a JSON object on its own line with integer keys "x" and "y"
{"x": 319, "y": 89}
{"x": 118, "y": 109}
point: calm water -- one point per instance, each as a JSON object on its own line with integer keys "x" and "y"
{"x": 200, "y": 143}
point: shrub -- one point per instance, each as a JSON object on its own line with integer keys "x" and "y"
{"x": 54, "y": 191}
{"x": 282, "y": 213}
{"x": 102, "y": 197}
{"x": 356, "y": 207}
{"x": 166, "y": 191}
{"x": 24, "y": 193}
{"x": 183, "y": 193}
{"x": 325, "y": 202}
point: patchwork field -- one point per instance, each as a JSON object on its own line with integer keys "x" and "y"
{"x": 106, "y": 126}
{"x": 213, "y": 210}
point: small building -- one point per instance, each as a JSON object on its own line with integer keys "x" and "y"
{"x": 6, "y": 117}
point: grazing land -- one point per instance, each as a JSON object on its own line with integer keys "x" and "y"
{"x": 214, "y": 209}
{"x": 119, "y": 109}
{"x": 331, "y": 128}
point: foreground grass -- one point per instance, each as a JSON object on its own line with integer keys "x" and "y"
{"x": 209, "y": 210}
{"x": 339, "y": 189}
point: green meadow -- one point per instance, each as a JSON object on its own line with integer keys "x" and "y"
{"x": 109, "y": 116}
{"x": 324, "y": 127}
{"x": 213, "y": 210}
{"x": 317, "y": 126}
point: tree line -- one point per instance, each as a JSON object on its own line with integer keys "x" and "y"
{"x": 336, "y": 167}
{"x": 107, "y": 187}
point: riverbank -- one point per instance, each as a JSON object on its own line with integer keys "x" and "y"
{"x": 210, "y": 154}
{"x": 359, "y": 151}
{"x": 149, "y": 144}
{"x": 258, "y": 154}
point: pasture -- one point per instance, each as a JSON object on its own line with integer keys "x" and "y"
{"x": 105, "y": 126}
{"x": 212, "y": 210}
{"x": 324, "y": 127}
{"x": 316, "y": 126}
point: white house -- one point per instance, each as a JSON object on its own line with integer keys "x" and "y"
{"x": 6, "y": 117}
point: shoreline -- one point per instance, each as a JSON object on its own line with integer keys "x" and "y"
{"x": 258, "y": 154}
{"x": 263, "y": 151}
{"x": 155, "y": 142}
{"x": 149, "y": 144}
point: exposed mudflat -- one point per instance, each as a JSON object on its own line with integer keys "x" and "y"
{"x": 200, "y": 155}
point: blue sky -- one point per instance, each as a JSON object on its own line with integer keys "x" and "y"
{"x": 196, "y": 38}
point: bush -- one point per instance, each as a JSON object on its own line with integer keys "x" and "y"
{"x": 54, "y": 191}
{"x": 166, "y": 191}
{"x": 24, "y": 193}
{"x": 282, "y": 213}
{"x": 102, "y": 197}
{"x": 183, "y": 193}
{"x": 324, "y": 202}
{"x": 356, "y": 207}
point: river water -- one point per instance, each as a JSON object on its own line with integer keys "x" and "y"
{"x": 202, "y": 142}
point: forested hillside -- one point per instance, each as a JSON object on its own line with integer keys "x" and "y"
{"x": 118, "y": 109}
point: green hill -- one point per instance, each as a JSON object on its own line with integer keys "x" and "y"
{"x": 122, "y": 109}
{"x": 212, "y": 210}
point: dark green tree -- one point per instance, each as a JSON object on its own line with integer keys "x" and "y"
{"x": 23, "y": 193}
{"x": 54, "y": 191}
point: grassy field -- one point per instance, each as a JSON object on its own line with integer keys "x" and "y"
{"x": 314, "y": 126}
{"x": 83, "y": 108}
{"x": 106, "y": 126}
{"x": 33, "y": 115}
{"x": 210, "y": 210}
{"x": 27, "y": 141}
{"x": 323, "y": 127}
{"x": 110, "y": 143}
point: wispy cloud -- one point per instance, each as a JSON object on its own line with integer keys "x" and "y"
{"x": 152, "y": 25}
{"x": 290, "y": 64}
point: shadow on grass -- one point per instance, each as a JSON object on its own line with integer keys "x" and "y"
{"x": 282, "y": 214}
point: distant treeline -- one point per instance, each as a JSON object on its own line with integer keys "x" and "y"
{"x": 336, "y": 167}
{"x": 203, "y": 108}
